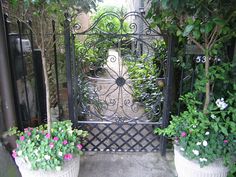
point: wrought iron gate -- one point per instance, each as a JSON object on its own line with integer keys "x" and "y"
{"x": 104, "y": 96}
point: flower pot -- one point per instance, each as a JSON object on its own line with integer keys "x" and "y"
{"x": 69, "y": 169}
{"x": 190, "y": 168}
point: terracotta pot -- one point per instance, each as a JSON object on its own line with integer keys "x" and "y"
{"x": 190, "y": 168}
{"x": 69, "y": 169}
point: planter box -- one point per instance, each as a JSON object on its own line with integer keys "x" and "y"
{"x": 69, "y": 169}
{"x": 190, "y": 168}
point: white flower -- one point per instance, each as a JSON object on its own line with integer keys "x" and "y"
{"x": 194, "y": 126}
{"x": 207, "y": 133}
{"x": 36, "y": 151}
{"x": 204, "y": 143}
{"x": 19, "y": 153}
{"x": 60, "y": 153}
{"x": 196, "y": 152}
{"x": 203, "y": 160}
{"x": 221, "y": 104}
{"x": 70, "y": 132}
{"x": 182, "y": 149}
{"x": 47, "y": 157}
{"x": 199, "y": 143}
{"x": 58, "y": 168}
{"x": 213, "y": 116}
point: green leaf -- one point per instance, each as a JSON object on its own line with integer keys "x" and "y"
{"x": 196, "y": 34}
{"x": 224, "y": 130}
{"x": 208, "y": 27}
{"x": 219, "y": 21}
{"x": 187, "y": 30}
{"x": 178, "y": 33}
{"x": 164, "y": 3}
{"x": 14, "y": 3}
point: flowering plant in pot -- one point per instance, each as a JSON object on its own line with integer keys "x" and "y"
{"x": 43, "y": 151}
{"x": 206, "y": 138}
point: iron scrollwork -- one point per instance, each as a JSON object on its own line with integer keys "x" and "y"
{"x": 111, "y": 95}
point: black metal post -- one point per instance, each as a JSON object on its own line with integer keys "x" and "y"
{"x": 193, "y": 75}
{"x": 24, "y": 70}
{"x": 56, "y": 68}
{"x": 6, "y": 90}
{"x": 180, "y": 88}
{"x": 167, "y": 92}
{"x": 40, "y": 86}
{"x": 67, "y": 41}
{"x": 38, "y": 112}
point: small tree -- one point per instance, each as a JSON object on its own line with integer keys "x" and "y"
{"x": 43, "y": 12}
{"x": 207, "y": 24}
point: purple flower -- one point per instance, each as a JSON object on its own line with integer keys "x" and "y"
{"x": 226, "y": 141}
{"x": 55, "y": 138}
{"x": 14, "y": 154}
{"x": 68, "y": 156}
{"x": 79, "y": 146}
{"x": 183, "y": 134}
{"x": 65, "y": 142}
{"x": 47, "y": 135}
{"x": 176, "y": 140}
{"x": 22, "y": 138}
{"x": 51, "y": 145}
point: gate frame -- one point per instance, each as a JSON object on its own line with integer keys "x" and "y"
{"x": 168, "y": 80}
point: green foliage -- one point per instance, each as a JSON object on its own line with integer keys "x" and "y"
{"x": 210, "y": 21}
{"x": 48, "y": 151}
{"x": 112, "y": 23}
{"x": 212, "y": 135}
{"x": 209, "y": 25}
{"x": 144, "y": 73}
{"x": 219, "y": 121}
{"x": 93, "y": 52}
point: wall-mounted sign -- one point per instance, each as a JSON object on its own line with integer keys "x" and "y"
{"x": 193, "y": 50}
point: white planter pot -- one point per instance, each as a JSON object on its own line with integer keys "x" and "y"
{"x": 69, "y": 169}
{"x": 189, "y": 168}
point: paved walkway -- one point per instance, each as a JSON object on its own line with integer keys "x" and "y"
{"x": 127, "y": 165}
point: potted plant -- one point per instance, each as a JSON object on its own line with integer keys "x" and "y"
{"x": 53, "y": 155}
{"x": 204, "y": 143}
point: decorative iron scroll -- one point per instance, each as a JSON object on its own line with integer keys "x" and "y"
{"x": 104, "y": 88}
{"x": 110, "y": 27}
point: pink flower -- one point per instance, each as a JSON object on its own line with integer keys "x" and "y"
{"x": 17, "y": 145}
{"x": 51, "y": 145}
{"x": 226, "y": 141}
{"x": 55, "y": 138}
{"x": 28, "y": 133}
{"x": 47, "y": 135}
{"x": 31, "y": 128}
{"x": 22, "y": 138}
{"x": 79, "y": 146}
{"x": 68, "y": 156}
{"x": 176, "y": 140}
{"x": 183, "y": 134}
{"x": 65, "y": 142}
{"x": 14, "y": 154}
{"x": 25, "y": 129}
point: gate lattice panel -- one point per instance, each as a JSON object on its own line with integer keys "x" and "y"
{"x": 125, "y": 137}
